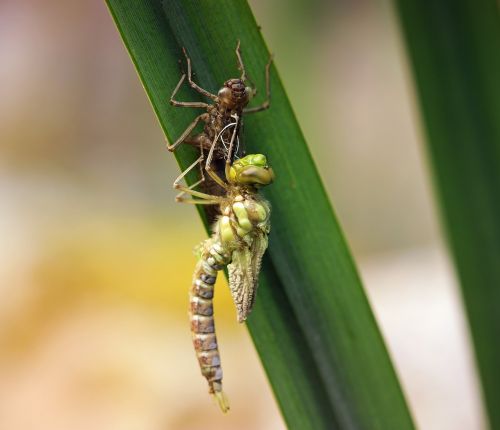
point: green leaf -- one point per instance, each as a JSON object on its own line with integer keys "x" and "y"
{"x": 312, "y": 325}
{"x": 454, "y": 48}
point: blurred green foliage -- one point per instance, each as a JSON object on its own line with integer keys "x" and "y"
{"x": 454, "y": 48}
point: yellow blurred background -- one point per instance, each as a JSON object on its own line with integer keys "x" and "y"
{"x": 96, "y": 258}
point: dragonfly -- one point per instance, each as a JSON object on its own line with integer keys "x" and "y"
{"x": 238, "y": 242}
{"x": 222, "y": 118}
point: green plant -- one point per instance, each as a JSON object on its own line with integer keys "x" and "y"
{"x": 454, "y": 48}
{"x": 312, "y": 325}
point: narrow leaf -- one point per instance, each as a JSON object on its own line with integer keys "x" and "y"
{"x": 312, "y": 324}
{"x": 454, "y": 48}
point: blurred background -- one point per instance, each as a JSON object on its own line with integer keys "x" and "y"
{"x": 96, "y": 258}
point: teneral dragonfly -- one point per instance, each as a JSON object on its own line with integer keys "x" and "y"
{"x": 238, "y": 241}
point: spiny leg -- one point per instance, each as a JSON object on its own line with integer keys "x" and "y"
{"x": 230, "y": 150}
{"x": 241, "y": 66}
{"x": 185, "y": 104}
{"x": 179, "y": 197}
{"x": 187, "y": 132}
{"x": 208, "y": 167}
{"x": 206, "y": 197}
{"x": 205, "y": 143}
{"x": 267, "y": 102}
{"x": 198, "y": 202}
{"x": 185, "y": 172}
{"x": 193, "y": 85}
{"x": 208, "y": 164}
{"x": 188, "y": 190}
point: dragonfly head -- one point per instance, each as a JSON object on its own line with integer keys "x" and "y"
{"x": 234, "y": 94}
{"x": 251, "y": 170}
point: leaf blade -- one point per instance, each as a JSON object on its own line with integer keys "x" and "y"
{"x": 454, "y": 49}
{"x": 314, "y": 272}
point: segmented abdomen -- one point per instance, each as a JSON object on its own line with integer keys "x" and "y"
{"x": 213, "y": 258}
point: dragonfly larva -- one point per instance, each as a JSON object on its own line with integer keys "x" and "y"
{"x": 224, "y": 114}
{"x": 238, "y": 241}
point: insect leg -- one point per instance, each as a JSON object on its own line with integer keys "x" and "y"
{"x": 208, "y": 164}
{"x": 192, "y": 84}
{"x": 267, "y": 102}
{"x": 189, "y": 190}
{"x": 185, "y": 104}
{"x": 241, "y": 66}
{"x": 206, "y": 197}
{"x": 181, "y": 199}
{"x": 196, "y": 201}
{"x": 187, "y": 132}
{"x": 230, "y": 150}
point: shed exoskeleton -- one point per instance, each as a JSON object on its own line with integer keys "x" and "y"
{"x": 223, "y": 118}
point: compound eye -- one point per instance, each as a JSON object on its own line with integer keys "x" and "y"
{"x": 224, "y": 94}
{"x": 250, "y": 92}
{"x": 259, "y": 176}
